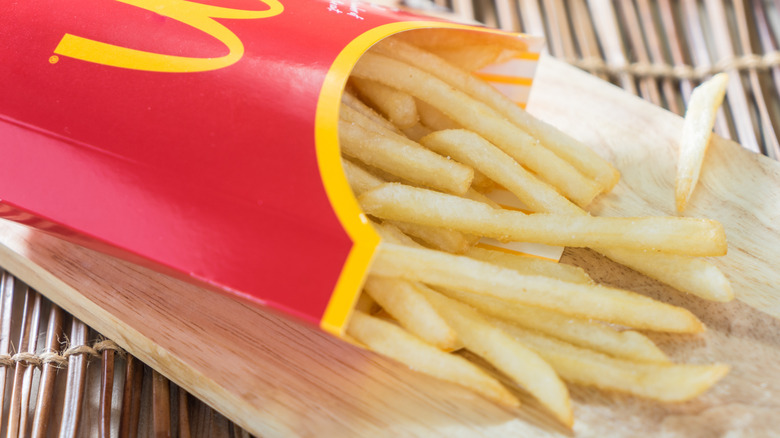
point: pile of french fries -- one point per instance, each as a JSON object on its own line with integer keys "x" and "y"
{"x": 423, "y": 140}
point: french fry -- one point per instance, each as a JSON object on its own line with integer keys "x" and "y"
{"x": 437, "y": 237}
{"x": 697, "y": 130}
{"x": 530, "y": 265}
{"x": 471, "y": 149}
{"x": 407, "y": 305}
{"x": 360, "y": 180}
{"x": 689, "y": 236}
{"x": 573, "y": 151}
{"x": 392, "y": 234}
{"x": 525, "y": 367}
{"x": 392, "y": 341}
{"x": 662, "y": 382}
{"x": 350, "y": 101}
{"x": 482, "y": 119}
{"x": 416, "y": 132}
{"x": 404, "y": 158}
{"x": 397, "y": 106}
{"x": 479, "y": 197}
{"x": 366, "y": 304}
{"x": 443, "y": 39}
{"x": 433, "y": 118}
{"x": 472, "y": 57}
{"x": 629, "y": 345}
{"x": 686, "y": 274}
{"x": 536, "y": 321}
{"x": 587, "y": 301}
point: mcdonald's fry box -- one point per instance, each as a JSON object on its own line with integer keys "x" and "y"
{"x": 198, "y": 138}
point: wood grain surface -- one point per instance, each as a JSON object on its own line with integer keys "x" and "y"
{"x": 277, "y": 377}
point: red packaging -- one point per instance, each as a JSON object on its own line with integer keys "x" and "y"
{"x": 198, "y": 139}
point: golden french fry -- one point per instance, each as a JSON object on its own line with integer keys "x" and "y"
{"x": 511, "y": 357}
{"x": 397, "y": 106}
{"x": 662, "y": 382}
{"x": 471, "y": 149}
{"x": 689, "y": 236}
{"x": 366, "y": 304}
{"x": 360, "y": 180}
{"x": 391, "y": 234}
{"x": 587, "y": 301}
{"x": 433, "y": 118}
{"x": 350, "y": 101}
{"x": 404, "y": 158}
{"x": 392, "y": 341}
{"x": 479, "y": 197}
{"x": 407, "y": 305}
{"x": 470, "y": 58}
{"x": 482, "y": 183}
{"x": 416, "y": 132}
{"x": 687, "y": 274}
{"x": 691, "y": 275}
{"x": 482, "y": 119}
{"x": 697, "y": 130}
{"x": 437, "y": 237}
{"x": 585, "y": 333}
{"x": 563, "y": 145}
{"x": 529, "y": 265}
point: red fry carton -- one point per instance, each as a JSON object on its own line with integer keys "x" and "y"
{"x": 197, "y": 138}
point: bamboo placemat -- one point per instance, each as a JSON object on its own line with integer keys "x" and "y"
{"x": 60, "y": 378}
{"x": 659, "y": 50}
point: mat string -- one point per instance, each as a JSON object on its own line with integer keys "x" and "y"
{"x": 59, "y": 360}
{"x": 662, "y": 70}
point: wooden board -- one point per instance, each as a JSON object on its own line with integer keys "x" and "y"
{"x": 276, "y": 377}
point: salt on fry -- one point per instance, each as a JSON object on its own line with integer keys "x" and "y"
{"x": 697, "y": 130}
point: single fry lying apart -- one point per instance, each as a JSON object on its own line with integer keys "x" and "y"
{"x": 392, "y": 341}
{"x": 697, "y": 130}
{"x": 688, "y": 236}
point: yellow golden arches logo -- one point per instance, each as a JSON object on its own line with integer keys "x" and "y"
{"x": 197, "y": 15}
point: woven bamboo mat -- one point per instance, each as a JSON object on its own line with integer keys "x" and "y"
{"x": 60, "y": 378}
{"x": 659, "y": 50}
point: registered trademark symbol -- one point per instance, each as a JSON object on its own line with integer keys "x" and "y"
{"x": 54, "y": 59}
